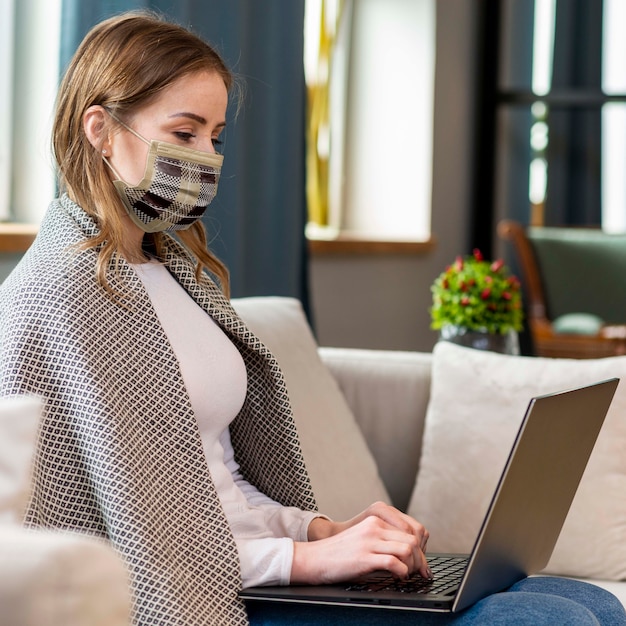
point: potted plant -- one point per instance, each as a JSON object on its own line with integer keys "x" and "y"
{"x": 478, "y": 303}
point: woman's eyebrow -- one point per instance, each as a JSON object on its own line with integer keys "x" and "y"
{"x": 193, "y": 116}
{"x": 197, "y": 118}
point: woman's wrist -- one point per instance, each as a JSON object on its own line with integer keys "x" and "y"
{"x": 309, "y": 564}
{"x": 321, "y": 528}
{"x": 301, "y": 564}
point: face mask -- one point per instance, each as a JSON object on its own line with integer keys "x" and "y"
{"x": 177, "y": 186}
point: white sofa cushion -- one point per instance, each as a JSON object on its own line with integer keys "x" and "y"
{"x": 477, "y": 401}
{"x": 343, "y": 472}
{"x": 19, "y": 419}
{"x": 387, "y": 391}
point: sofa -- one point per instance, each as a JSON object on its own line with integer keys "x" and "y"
{"x": 427, "y": 432}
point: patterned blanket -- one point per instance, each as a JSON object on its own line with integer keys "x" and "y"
{"x": 119, "y": 454}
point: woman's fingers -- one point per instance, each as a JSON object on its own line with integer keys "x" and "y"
{"x": 380, "y": 538}
{"x": 404, "y": 546}
{"x": 396, "y": 519}
{"x": 400, "y": 520}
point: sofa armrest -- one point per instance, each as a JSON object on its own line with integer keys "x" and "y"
{"x": 388, "y": 392}
{"x": 50, "y": 578}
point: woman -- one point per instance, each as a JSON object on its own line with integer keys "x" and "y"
{"x": 167, "y": 428}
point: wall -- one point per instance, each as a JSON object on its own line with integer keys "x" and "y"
{"x": 382, "y": 301}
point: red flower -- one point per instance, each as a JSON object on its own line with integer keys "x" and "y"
{"x": 477, "y": 290}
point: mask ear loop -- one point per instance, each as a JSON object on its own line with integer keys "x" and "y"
{"x": 130, "y": 130}
{"x": 108, "y": 164}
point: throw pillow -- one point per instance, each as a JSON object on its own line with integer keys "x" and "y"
{"x": 343, "y": 472}
{"x": 19, "y": 418}
{"x": 477, "y": 402}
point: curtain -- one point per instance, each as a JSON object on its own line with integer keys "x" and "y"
{"x": 574, "y": 167}
{"x": 256, "y": 223}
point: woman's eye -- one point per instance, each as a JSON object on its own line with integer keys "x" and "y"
{"x": 184, "y": 136}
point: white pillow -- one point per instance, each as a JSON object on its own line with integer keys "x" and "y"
{"x": 19, "y": 418}
{"x": 477, "y": 402}
{"x": 343, "y": 472}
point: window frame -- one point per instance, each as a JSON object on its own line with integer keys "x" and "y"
{"x": 30, "y": 72}
{"x": 339, "y": 237}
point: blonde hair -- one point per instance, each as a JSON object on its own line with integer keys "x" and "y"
{"x": 122, "y": 64}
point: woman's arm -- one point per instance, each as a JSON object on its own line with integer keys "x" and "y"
{"x": 379, "y": 538}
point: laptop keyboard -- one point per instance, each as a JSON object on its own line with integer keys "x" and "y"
{"x": 447, "y": 573}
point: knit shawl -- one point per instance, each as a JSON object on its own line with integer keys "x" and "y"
{"x": 119, "y": 453}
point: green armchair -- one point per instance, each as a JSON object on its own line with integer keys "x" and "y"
{"x": 574, "y": 281}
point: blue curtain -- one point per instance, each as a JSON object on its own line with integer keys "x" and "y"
{"x": 574, "y": 194}
{"x": 256, "y": 223}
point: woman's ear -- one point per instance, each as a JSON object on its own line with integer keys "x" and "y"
{"x": 95, "y": 127}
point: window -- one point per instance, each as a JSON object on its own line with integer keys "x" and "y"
{"x": 556, "y": 101}
{"x": 373, "y": 142}
{"x": 29, "y": 73}
{"x": 614, "y": 118}
{"x": 6, "y": 79}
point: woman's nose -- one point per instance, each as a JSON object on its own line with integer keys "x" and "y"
{"x": 207, "y": 145}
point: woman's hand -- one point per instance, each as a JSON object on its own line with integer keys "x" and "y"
{"x": 379, "y": 538}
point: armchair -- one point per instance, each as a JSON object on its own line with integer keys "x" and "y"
{"x": 49, "y": 577}
{"x": 574, "y": 286}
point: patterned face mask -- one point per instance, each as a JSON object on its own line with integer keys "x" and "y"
{"x": 177, "y": 186}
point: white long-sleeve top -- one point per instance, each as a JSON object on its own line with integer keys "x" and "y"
{"x": 216, "y": 381}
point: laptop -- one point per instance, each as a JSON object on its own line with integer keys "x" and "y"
{"x": 521, "y": 526}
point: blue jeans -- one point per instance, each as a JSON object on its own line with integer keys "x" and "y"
{"x": 533, "y": 601}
